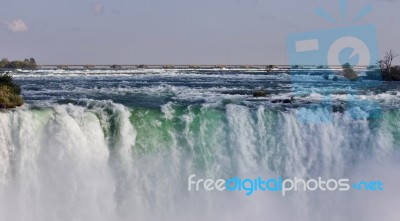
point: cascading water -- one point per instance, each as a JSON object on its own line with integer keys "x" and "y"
{"x": 99, "y": 160}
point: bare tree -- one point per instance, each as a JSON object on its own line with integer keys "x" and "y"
{"x": 386, "y": 62}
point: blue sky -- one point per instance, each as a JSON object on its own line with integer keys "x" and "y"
{"x": 173, "y": 31}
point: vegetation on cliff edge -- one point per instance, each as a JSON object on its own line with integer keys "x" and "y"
{"x": 10, "y": 92}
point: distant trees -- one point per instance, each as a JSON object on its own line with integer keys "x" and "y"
{"x": 4, "y": 62}
{"x": 27, "y": 63}
{"x": 386, "y": 62}
{"x": 386, "y": 72}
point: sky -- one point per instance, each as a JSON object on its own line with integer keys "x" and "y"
{"x": 176, "y": 31}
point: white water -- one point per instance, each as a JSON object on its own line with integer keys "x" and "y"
{"x": 91, "y": 163}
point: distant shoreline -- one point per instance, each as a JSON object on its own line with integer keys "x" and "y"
{"x": 195, "y": 67}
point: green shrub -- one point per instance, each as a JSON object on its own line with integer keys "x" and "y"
{"x": 349, "y": 73}
{"x": 9, "y": 92}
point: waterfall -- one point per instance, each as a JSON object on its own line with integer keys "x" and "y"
{"x": 104, "y": 161}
